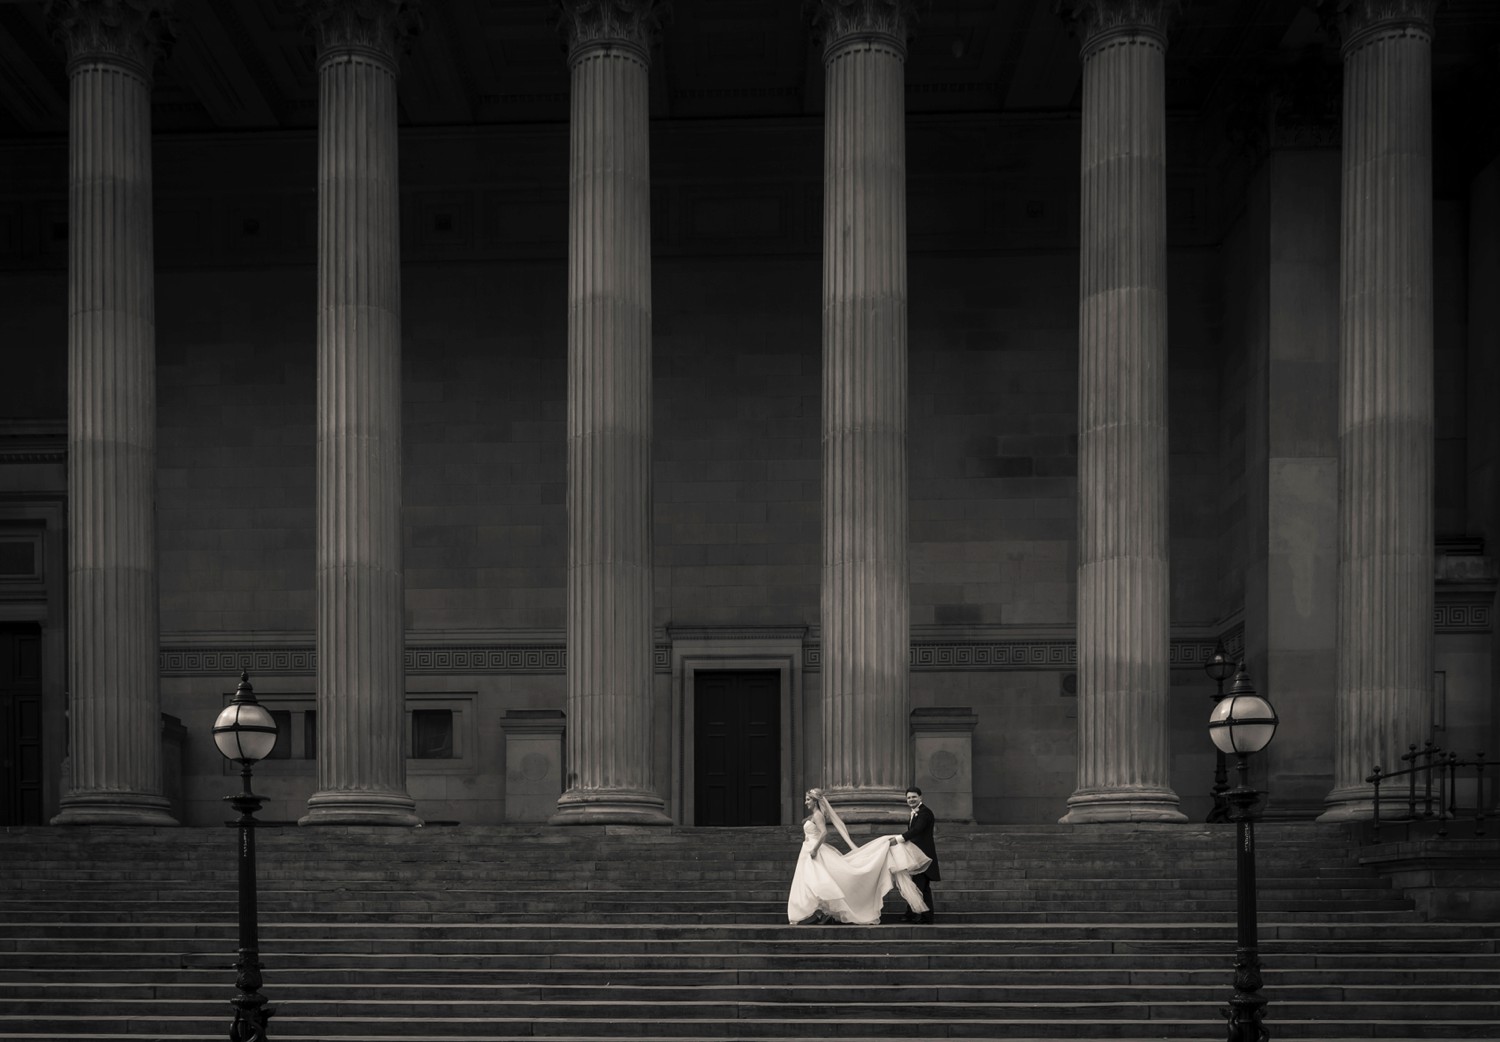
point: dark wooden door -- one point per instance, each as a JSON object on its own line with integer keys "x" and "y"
{"x": 20, "y": 725}
{"x": 737, "y": 748}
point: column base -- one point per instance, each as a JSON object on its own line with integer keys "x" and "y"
{"x": 1357, "y": 803}
{"x": 610, "y": 807}
{"x": 871, "y": 806}
{"x": 1123, "y": 804}
{"x": 343, "y": 807}
{"x": 109, "y": 807}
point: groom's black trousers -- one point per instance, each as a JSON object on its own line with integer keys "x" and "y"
{"x": 925, "y": 886}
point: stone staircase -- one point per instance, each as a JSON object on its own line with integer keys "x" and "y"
{"x": 611, "y": 933}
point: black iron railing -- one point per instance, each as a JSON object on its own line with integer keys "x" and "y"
{"x": 1433, "y": 780}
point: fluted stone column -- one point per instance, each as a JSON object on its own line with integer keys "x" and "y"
{"x": 610, "y": 643}
{"x": 866, "y": 636}
{"x": 1123, "y": 758}
{"x": 360, "y": 586}
{"x": 1385, "y": 653}
{"x": 114, "y": 709}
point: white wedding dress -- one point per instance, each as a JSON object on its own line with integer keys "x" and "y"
{"x": 852, "y": 887}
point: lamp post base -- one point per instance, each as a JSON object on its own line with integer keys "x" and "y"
{"x": 1247, "y": 1008}
{"x": 250, "y": 1009}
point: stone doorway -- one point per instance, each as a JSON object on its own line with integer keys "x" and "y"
{"x": 21, "y": 779}
{"x": 737, "y": 748}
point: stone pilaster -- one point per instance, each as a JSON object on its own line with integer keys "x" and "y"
{"x": 610, "y": 644}
{"x": 114, "y": 709}
{"x": 1385, "y": 651}
{"x": 1123, "y": 757}
{"x": 360, "y": 585}
{"x": 865, "y": 612}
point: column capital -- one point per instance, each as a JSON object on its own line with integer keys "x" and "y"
{"x": 627, "y": 25}
{"x": 1358, "y": 22}
{"x": 377, "y": 29}
{"x": 133, "y": 34}
{"x": 839, "y": 23}
{"x": 1101, "y": 21}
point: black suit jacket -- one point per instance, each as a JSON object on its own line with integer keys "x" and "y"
{"x": 920, "y": 833}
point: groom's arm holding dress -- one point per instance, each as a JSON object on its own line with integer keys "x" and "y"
{"x": 920, "y": 832}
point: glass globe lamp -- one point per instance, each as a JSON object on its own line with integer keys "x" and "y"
{"x": 1242, "y": 722}
{"x": 1220, "y": 667}
{"x": 245, "y": 732}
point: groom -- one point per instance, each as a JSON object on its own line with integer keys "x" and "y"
{"x": 919, "y": 831}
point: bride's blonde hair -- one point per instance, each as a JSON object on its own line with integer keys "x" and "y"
{"x": 816, "y": 794}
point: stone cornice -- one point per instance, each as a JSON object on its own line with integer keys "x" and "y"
{"x": 1098, "y": 22}
{"x": 838, "y": 23}
{"x": 380, "y": 30}
{"x": 41, "y": 441}
{"x": 628, "y": 25}
{"x": 132, "y": 34}
{"x": 1359, "y": 22}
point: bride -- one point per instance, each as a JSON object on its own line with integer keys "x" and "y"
{"x": 848, "y": 887}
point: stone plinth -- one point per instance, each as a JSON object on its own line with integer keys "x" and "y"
{"x": 533, "y": 762}
{"x": 942, "y": 740}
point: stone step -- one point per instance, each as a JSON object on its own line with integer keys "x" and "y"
{"x": 1370, "y": 969}
{"x": 819, "y": 1004}
{"x": 1014, "y": 1032}
{"x": 52, "y": 997}
{"x": 540, "y": 902}
{"x": 768, "y": 917}
{"x": 1027, "y": 1022}
{"x": 1283, "y": 978}
{"x": 622, "y": 933}
{"x": 1374, "y": 936}
{"x": 165, "y": 857}
{"x": 194, "y": 952}
{"x": 779, "y": 935}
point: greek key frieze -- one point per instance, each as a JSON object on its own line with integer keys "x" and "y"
{"x": 550, "y": 657}
{"x": 1462, "y": 617}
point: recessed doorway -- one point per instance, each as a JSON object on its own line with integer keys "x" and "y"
{"x": 737, "y": 748}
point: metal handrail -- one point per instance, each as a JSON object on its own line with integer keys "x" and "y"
{"x": 1439, "y": 771}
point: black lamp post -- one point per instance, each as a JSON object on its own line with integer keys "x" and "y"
{"x": 1219, "y": 669}
{"x": 1243, "y": 723}
{"x": 245, "y": 733}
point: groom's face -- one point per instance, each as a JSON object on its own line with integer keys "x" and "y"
{"x": 913, "y": 800}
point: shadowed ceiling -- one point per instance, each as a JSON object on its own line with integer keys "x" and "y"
{"x": 248, "y": 64}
